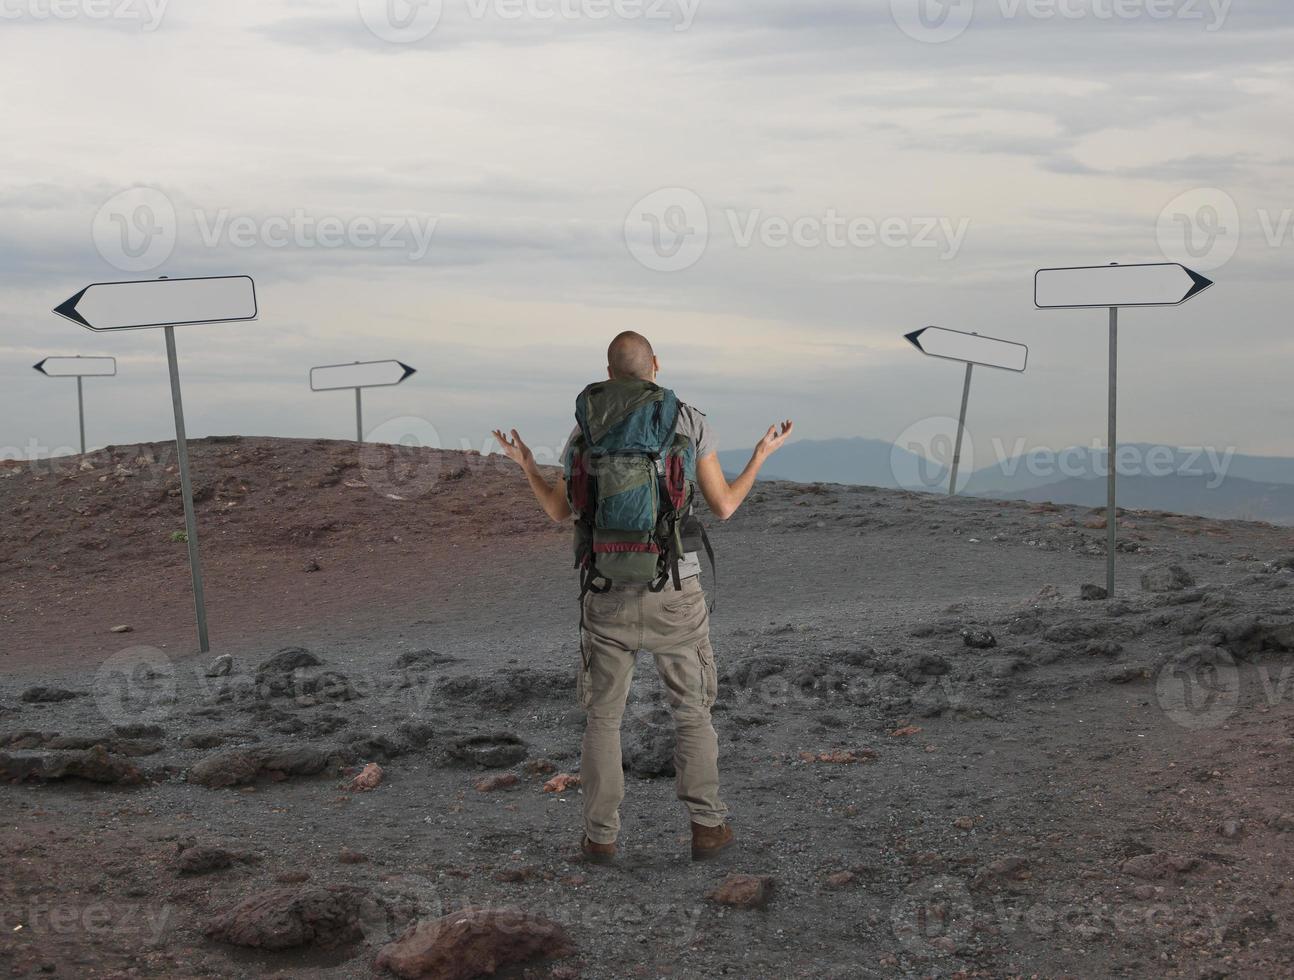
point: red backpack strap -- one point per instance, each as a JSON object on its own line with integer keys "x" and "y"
{"x": 580, "y": 486}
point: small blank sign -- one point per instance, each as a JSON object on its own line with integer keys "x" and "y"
{"x": 956, "y": 345}
{"x": 78, "y": 367}
{"x": 367, "y": 374}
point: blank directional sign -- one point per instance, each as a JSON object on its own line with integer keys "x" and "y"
{"x": 161, "y": 303}
{"x": 1156, "y": 284}
{"x": 366, "y": 374}
{"x": 78, "y": 367}
{"x": 971, "y": 348}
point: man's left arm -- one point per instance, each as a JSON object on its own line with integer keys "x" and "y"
{"x": 551, "y": 498}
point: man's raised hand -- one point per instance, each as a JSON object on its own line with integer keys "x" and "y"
{"x": 515, "y": 450}
{"x": 774, "y": 438}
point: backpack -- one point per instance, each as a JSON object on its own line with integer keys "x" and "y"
{"x": 630, "y": 482}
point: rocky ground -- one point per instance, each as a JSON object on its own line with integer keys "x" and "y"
{"x": 943, "y": 755}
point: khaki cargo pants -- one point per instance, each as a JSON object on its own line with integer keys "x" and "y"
{"x": 675, "y": 627}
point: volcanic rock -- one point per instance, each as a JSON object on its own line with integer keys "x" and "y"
{"x": 473, "y": 942}
{"x": 743, "y": 891}
{"x": 1169, "y": 578}
{"x": 286, "y": 918}
{"x": 48, "y": 695}
{"x": 497, "y": 751}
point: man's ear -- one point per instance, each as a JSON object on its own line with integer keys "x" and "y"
{"x": 655, "y": 366}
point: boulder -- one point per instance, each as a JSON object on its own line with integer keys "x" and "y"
{"x": 978, "y": 638}
{"x": 473, "y": 942}
{"x": 95, "y": 765}
{"x": 497, "y": 751}
{"x": 240, "y": 767}
{"x": 42, "y": 694}
{"x": 287, "y": 918}
{"x": 743, "y": 891}
{"x": 1168, "y": 578}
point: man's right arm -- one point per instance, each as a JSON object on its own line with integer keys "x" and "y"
{"x": 723, "y": 497}
{"x": 552, "y": 498}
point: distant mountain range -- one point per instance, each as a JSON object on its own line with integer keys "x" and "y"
{"x": 1181, "y": 480}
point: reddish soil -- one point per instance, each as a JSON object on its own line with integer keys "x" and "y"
{"x": 95, "y": 542}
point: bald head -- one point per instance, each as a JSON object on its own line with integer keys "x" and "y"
{"x": 630, "y": 356}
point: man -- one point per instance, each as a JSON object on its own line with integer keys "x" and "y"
{"x": 673, "y": 623}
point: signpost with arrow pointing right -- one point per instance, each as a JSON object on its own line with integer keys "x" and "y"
{"x": 970, "y": 349}
{"x": 78, "y": 367}
{"x": 1113, "y": 286}
{"x": 167, "y": 303}
{"x": 359, "y": 375}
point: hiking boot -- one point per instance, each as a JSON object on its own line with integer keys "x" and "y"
{"x": 598, "y": 853}
{"x": 709, "y": 841}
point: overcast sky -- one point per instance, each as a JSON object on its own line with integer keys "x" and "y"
{"x": 773, "y": 192}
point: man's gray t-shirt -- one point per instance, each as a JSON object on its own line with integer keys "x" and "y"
{"x": 692, "y": 424}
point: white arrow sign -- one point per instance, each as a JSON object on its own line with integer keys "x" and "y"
{"x": 161, "y": 303}
{"x": 1156, "y": 284}
{"x": 78, "y": 367}
{"x": 955, "y": 345}
{"x": 366, "y": 374}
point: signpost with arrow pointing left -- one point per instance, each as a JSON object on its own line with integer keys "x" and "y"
{"x": 1113, "y": 286}
{"x": 167, "y": 303}
{"x": 359, "y": 375}
{"x": 78, "y": 367}
{"x": 970, "y": 349}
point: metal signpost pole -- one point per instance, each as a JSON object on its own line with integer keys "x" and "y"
{"x": 961, "y": 427}
{"x": 80, "y": 410}
{"x": 186, "y": 491}
{"x": 359, "y": 415}
{"x": 1111, "y": 526}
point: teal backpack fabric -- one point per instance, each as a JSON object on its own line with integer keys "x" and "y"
{"x": 630, "y": 481}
